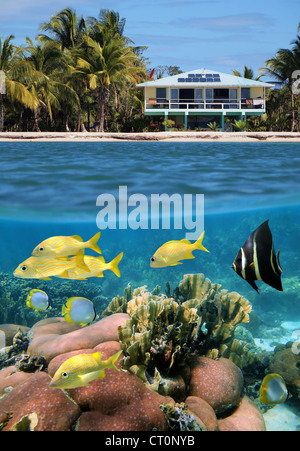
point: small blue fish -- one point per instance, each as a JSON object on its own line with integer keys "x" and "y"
{"x": 79, "y": 310}
{"x": 273, "y": 390}
{"x": 38, "y": 300}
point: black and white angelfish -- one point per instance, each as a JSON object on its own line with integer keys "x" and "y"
{"x": 257, "y": 260}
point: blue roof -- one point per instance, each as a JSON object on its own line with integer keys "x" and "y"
{"x": 204, "y": 77}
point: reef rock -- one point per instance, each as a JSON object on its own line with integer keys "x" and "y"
{"x": 50, "y": 339}
{"x": 246, "y": 417}
{"x": 10, "y": 330}
{"x": 203, "y": 412}
{"x": 118, "y": 402}
{"x": 218, "y": 382}
{"x": 287, "y": 364}
{"x": 54, "y": 410}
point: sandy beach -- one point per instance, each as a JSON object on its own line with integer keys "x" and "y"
{"x": 154, "y": 136}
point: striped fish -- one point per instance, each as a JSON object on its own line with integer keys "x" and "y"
{"x": 80, "y": 370}
{"x": 64, "y": 246}
{"x": 95, "y": 267}
{"x": 45, "y": 268}
{"x": 170, "y": 253}
{"x": 257, "y": 260}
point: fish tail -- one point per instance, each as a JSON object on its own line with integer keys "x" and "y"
{"x": 198, "y": 244}
{"x": 113, "y": 265}
{"x": 112, "y": 360}
{"x": 92, "y": 243}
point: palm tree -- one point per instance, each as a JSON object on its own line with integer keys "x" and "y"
{"x": 47, "y": 82}
{"x": 282, "y": 68}
{"x": 102, "y": 65}
{"x": 248, "y": 73}
{"x": 15, "y": 69}
{"x": 108, "y": 20}
{"x": 66, "y": 28}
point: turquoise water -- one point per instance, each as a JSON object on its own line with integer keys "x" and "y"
{"x": 51, "y": 189}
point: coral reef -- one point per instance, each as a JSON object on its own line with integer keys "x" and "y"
{"x": 245, "y": 418}
{"x": 163, "y": 332}
{"x": 175, "y": 375}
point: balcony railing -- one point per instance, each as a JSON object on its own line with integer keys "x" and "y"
{"x": 215, "y": 104}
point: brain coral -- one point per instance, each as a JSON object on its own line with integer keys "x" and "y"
{"x": 160, "y": 337}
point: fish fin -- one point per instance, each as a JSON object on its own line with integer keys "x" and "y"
{"x": 83, "y": 324}
{"x": 112, "y": 360}
{"x": 64, "y": 275}
{"x": 101, "y": 260}
{"x": 89, "y": 377}
{"x": 113, "y": 265}
{"x": 92, "y": 243}
{"x": 252, "y": 266}
{"x": 77, "y": 237}
{"x": 100, "y": 274}
{"x": 80, "y": 263}
{"x": 97, "y": 356}
{"x": 45, "y": 278}
{"x": 277, "y": 261}
{"x": 198, "y": 243}
{"x": 185, "y": 241}
{"x": 253, "y": 285}
{"x": 175, "y": 264}
{"x": 189, "y": 256}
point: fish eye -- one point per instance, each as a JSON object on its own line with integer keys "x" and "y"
{"x": 152, "y": 259}
{"x": 64, "y": 374}
{"x": 41, "y": 249}
{"x": 24, "y": 268}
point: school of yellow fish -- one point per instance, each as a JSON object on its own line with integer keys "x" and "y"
{"x": 63, "y": 256}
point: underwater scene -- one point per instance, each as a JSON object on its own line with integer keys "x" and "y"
{"x": 149, "y": 286}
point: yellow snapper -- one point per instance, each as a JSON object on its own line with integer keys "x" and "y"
{"x": 170, "y": 253}
{"x": 45, "y": 268}
{"x": 273, "y": 390}
{"x": 80, "y": 370}
{"x": 96, "y": 266}
{"x": 79, "y": 310}
{"x": 38, "y": 300}
{"x": 63, "y": 246}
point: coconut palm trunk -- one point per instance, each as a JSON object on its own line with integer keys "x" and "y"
{"x": 103, "y": 96}
{"x": 1, "y": 113}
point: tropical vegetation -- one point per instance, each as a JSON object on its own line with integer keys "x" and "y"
{"x": 80, "y": 74}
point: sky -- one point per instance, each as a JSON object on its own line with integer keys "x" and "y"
{"x": 192, "y": 34}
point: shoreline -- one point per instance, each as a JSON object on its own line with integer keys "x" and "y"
{"x": 152, "y": 136}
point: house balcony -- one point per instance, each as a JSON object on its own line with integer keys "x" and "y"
{"x": 205, "y": 105}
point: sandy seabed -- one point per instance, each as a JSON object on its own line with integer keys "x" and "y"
{"x": 153, "y": 136}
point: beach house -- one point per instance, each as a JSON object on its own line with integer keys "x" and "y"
{"x": 194, "y": 99}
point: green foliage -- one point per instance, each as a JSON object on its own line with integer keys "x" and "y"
{"x": 168, "y": 123}
{"x": 240, "y": 125}
{"x": 213, "y": 126}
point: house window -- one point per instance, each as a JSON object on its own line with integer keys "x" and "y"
{"x": 161, "y": 95}
{"x": 245, "y": 94}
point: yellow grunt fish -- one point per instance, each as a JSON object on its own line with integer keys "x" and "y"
{"x": 63, "y": 246}
{"x": 80, "y": 370}
{"x": 96, "y": 266}
{"x": 170, "y": 253}
{"x": 45, "y": 268}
